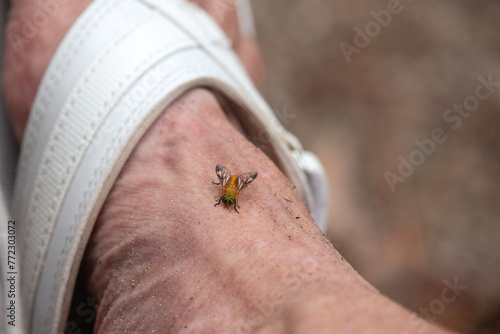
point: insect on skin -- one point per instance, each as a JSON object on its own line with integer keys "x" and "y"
{"x": 232, "y": 185}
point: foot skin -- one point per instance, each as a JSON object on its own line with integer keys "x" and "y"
{"x": 163, "y": 258}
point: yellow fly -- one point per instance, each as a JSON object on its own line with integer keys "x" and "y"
{"x": 232, "y": 185}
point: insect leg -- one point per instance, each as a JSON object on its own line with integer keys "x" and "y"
{"x": 220, "y": 199}
{"x": 235, "y": 207}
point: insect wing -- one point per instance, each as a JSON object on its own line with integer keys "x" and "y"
{"x": 224, "y": 174}
{"x": 245, "y": 179}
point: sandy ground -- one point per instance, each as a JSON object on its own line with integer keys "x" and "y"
{"x": 406, "y": 89}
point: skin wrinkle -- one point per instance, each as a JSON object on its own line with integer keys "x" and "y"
{"x": 230, "y": 283}
{"x": 143, "y": 295}
{"x": 213, "y": 266}
{"x": 215, "y": 279}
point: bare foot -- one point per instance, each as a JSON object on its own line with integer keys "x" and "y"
{"x": 163, "y": 258}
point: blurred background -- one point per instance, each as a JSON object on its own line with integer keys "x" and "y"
{"x": 362, "y": 103}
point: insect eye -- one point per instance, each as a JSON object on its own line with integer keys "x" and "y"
{"x": 227, "y": 200}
